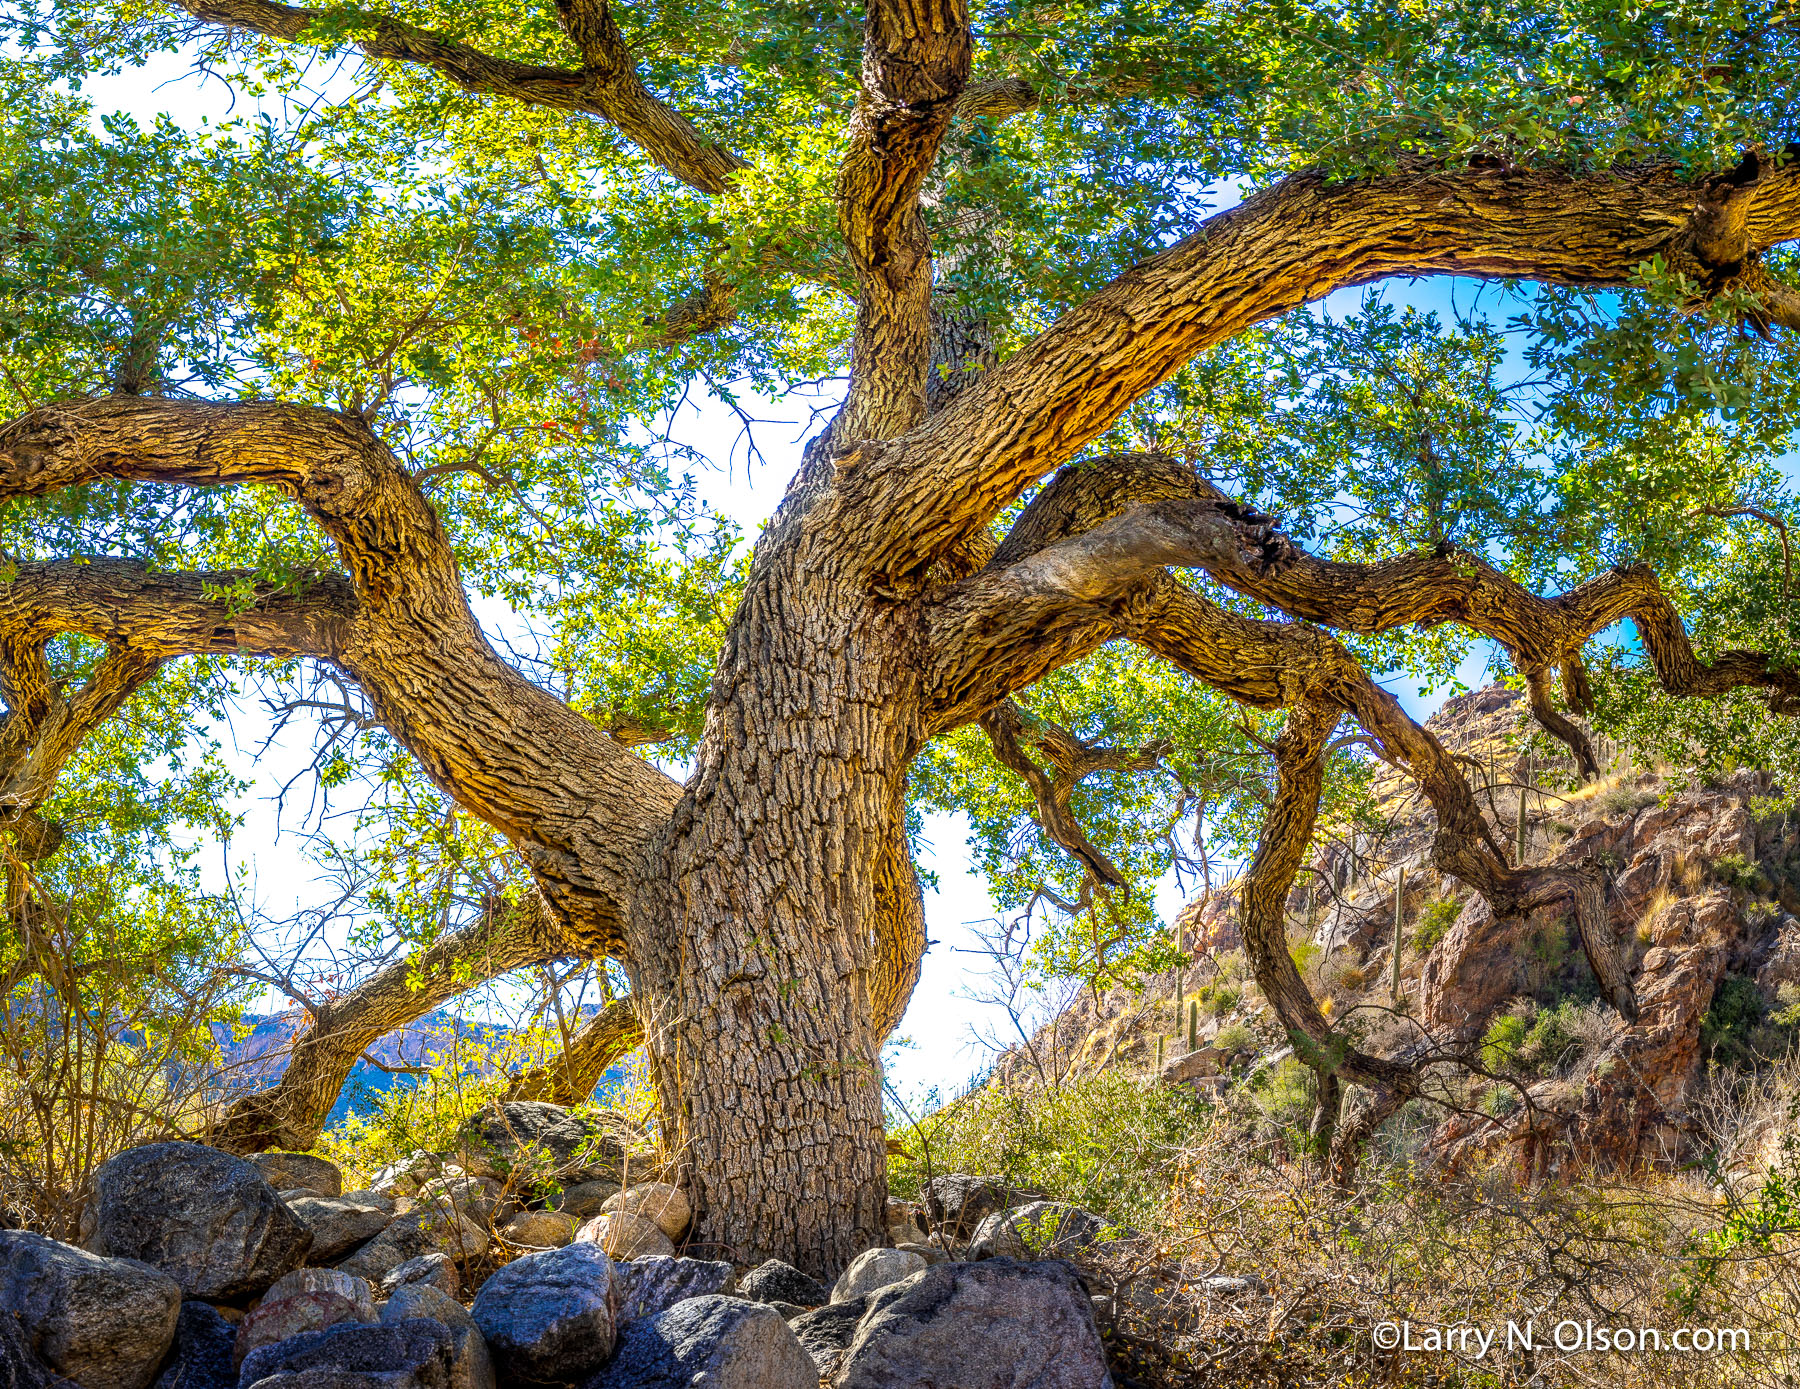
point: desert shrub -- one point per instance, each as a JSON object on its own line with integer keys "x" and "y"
{"x": 1735, "y": 871}
{"x": 1286, "y": 1094}
{"x": 1741, "y": 1030}
{"x": 1105, "y": 1142}
{"x": 1434, "y": 920}
{"x": 427, "y": 1116}
{"x": 1533, "y": 1041}
{"x": 1626, "y": 800}
{"x": 1220, "y": 999}
{"x": 1234, "y": 1040}
{"x": 107, "y": 1024}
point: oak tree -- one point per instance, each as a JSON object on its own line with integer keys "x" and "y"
{"x": 300, "y": 390}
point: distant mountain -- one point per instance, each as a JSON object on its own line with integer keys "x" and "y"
{"x": 258, "y": 1058}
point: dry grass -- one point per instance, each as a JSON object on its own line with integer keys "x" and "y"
{"x": 1222, "y": 1191}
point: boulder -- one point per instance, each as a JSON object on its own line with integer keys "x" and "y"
{"x": 20, "y": 1368}
{"x": 550, "y": 1318}
{"x": 535, "y": 1140}
{"x": 775, "y": 1281}
{"x": 539, "y": 1229}
{"x": 207, "y": 1219}
{"x": 652, "y": 1284}
{"x": 470, "y": 1365}
{"x": 999, "y": 1324}
{"x": 626, "y": 1236}
{"x": 826, "y": 1333}
{"x": 433, "y": 1270}
{"x": 103, "y": 1323}
{"x": 664, "y": 1204}
{"x": 408, "y": 1236}
{"x": 339, "y": 1223}
{"x": 1202, "y": 1063}
{"x": 906, "y": 1221}
{"x": 715, "y": 1342}
{"x": 584, "y": 1199}
{"x": 1043, "y": 1227}
{"x": 959, "y": 1201}
{"x": 401, "y": 1355}
{"x": 408, "y": 1174}
{"x": 875, "y": 1268}
{"x": 203, "y": 1344}
{"x": 299, "y": 1171}
{"x": 308, "y": 1299}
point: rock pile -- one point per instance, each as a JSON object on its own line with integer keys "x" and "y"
{"x": 201, "y": 1274}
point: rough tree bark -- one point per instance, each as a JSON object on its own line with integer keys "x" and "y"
{"x": 767, "y": 910}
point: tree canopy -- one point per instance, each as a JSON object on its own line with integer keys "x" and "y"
{"x": 407, "y": 329}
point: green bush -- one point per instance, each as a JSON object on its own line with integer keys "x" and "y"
{"x": 1734, "y": 870}
{"x": 1105, "y": 1142}
{"x": 1434, "y": 921}
{"x": 1740, "y": 1029}
{"x": 1535, "y": 1041}
{"x": 1235, "y": 1040}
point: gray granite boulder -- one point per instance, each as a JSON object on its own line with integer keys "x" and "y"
{"x": 826, "y": 1333}
{"x": 775, "y": 1281}
{"x": 340, "y": 1223}
{"x": 958, "y": 1202}
{"x": 207, "y": 1219}
{"x": 308, "y": 1299}
{"x": 299, "y": 1171}
{"x": 875, "y": 1268}
{"x": 1043, "y": 1228}
{"x": 709, "y": 1342}
{"x": 103, "y": 1323}
{"x": 584, "y": 1199}
{"x": 202, "y": 1358}
{"x": 529, "y": 1138}
{"x": 20, "y": 1368}
{"x": 470, "y": 1365}
{"x": 653, "y": 1284}
{"x": 435, "y": 1270}
{"x": 401, "y": 1355}
{"x": 413, "y": 1234}
{"x": 550, "y": 1318}
{"x": 998, "y": 1324}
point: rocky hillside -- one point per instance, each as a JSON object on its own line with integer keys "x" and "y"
{"x": 1703, "y": 885}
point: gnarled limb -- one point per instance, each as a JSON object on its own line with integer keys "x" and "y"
{"x": 577, "y": 805}
{"x": 1286, "y": 246}
{"x": 1071, "y": 759}
{"x": 611, "y": 83}
{"x": 1007, "y": 624}
{"x": 607, "y": 85}
{"x": 289, "y": 1114}
{"x": 571, "y": 1076}
{"x": 916, "y": 56}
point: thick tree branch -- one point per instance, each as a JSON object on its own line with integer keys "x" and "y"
{"x": 1009, "y": 624}
{"x": 1295, "y": 242}
{"x": 612, "y": 84}
{"x": 916, "y": 56}
{"x": 577, "y": 805}
{"x": 614, "y": 1031}
{"x": 607, "y": 85}
{"x": 289, "y": 1114}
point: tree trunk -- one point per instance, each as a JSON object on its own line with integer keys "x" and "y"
{"x": 779, "y": 924}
